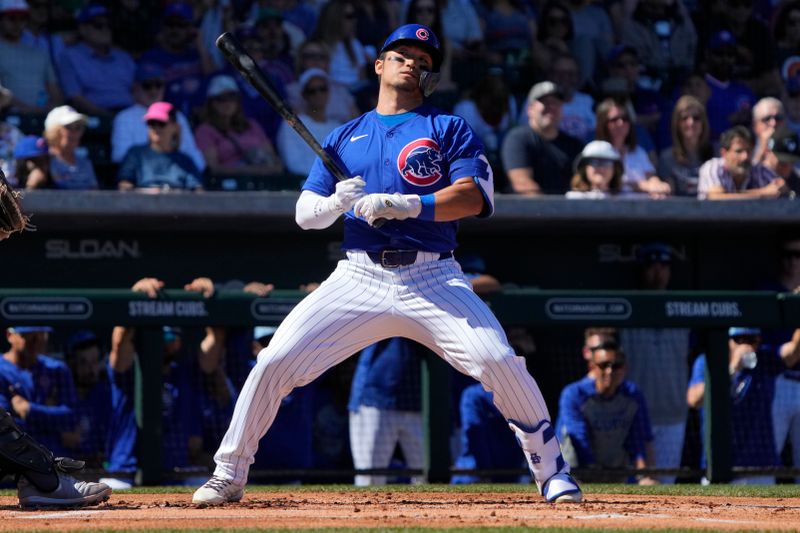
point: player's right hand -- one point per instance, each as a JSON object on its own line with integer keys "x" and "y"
{"x": 347, "y": 193}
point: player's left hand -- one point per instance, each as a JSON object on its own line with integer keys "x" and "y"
{"x": 392, "y": 206}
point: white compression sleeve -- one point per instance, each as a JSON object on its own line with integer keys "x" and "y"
{"x": 314, "y": 211}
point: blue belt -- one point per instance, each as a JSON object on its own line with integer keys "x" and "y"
{"x": 398, "y": 258}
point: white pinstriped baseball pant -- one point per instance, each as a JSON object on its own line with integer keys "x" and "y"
{"x": 430, "y": 302}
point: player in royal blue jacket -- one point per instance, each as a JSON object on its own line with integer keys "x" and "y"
{"x": 420, "y": 170}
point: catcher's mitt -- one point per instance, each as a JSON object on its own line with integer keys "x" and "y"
{"x": 12, "y": 218}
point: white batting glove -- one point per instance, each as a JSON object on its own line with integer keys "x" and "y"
{"x": 391, "y": 206}
{"x": 347, "y": 193}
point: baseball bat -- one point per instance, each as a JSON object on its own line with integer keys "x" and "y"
{"x": 235, "y": 53}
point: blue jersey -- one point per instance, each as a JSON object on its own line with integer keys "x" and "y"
{"x": 609, "y": 432}
{"x": 388, "y": 376}
{"x": 421, "y": 155}
{"x": 752, "y": 392}
{"x": 486, "y": 441}
{"x": 48, "y": 386}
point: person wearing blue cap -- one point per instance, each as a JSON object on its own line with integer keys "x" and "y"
{"x": 32, "y": 163}
{"x": 423, "y": 170}
{"x": 129, "y": 129}
{"x": 96, "y": 76}
{"x": 658, "y": 363}
{"x": 753, "y": 368}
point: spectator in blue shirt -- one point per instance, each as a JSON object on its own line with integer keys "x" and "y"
{"x": 159, "y": 165}
{"x": 96, "y": 76}
{"x": 602, "y": 418}
{"x": 35, "y": 388}
{"x": 185, "y": 63}
{"x": 753, "y": 368}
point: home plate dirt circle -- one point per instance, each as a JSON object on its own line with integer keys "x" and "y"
{"x": 361, "y": 509}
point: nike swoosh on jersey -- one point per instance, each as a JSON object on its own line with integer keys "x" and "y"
{"x": 357, "y": 137}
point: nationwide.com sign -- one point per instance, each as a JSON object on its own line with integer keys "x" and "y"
{"x": 45, "y": 308}
{"x": 588, "y": 308}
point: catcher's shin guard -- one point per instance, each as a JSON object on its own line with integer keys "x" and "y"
{"x": 21, "y": 455}
{"x": 549, "y": 469}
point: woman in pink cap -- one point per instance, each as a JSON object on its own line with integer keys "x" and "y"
{"x": 159, "y": 165}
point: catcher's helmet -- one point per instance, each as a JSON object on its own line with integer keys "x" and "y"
{"x": 422, "y": 36}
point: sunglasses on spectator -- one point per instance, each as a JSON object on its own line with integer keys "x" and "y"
{"x": 149, "y": 85}
{"x": 156, "y": 124}
{"x": 310, "y": 91}
{"x": 745, "y": 339}
{"x": 769, "y": 118}
{"x": 76, "y": 126}
{"x": 620, "y": 118}
{"x": 605, "y": 365}
{"x": 598, "y": 162}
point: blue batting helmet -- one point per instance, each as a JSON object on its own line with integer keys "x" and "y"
{"x": 422, "y": 36}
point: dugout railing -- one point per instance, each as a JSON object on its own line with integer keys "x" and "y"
{"x": 709, "y": 312}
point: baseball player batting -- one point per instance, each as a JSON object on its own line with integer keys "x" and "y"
{"x": 422, "y": 171}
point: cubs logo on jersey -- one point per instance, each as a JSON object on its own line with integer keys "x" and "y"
{"x": 419, "y": 162}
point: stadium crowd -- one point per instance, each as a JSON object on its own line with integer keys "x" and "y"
{"x": 651, "y": 98}
{"x": 580, "y": 98}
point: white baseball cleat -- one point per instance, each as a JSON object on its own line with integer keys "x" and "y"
{"x": 217, "y": 491}
{"x": 70, "y": 493}
{"x": 562, "y": 488}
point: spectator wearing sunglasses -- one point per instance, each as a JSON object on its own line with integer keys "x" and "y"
{"x": 753, "y": 368}
{"x": 159, "y": 165}
{"x": 602, "y": 418}
{"x": 295, "y": 153}
{"x": 95, "y": 75}
{"x": 128, "y": 128}
{"x": 768, "y": 115}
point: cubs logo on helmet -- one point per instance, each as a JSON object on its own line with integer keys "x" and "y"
{"x": 419, "y": 162}
{"x": 422, "y": 34}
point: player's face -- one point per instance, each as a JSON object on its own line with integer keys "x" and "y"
{"x": 608, "y": 370}
{"x": 402, "y": 67}
{"x": 737, "y": 157}
{"x": 30, "y": 344}
{"x": 87, "y": 366}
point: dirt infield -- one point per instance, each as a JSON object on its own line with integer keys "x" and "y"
{"x": 417, "y": 509}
